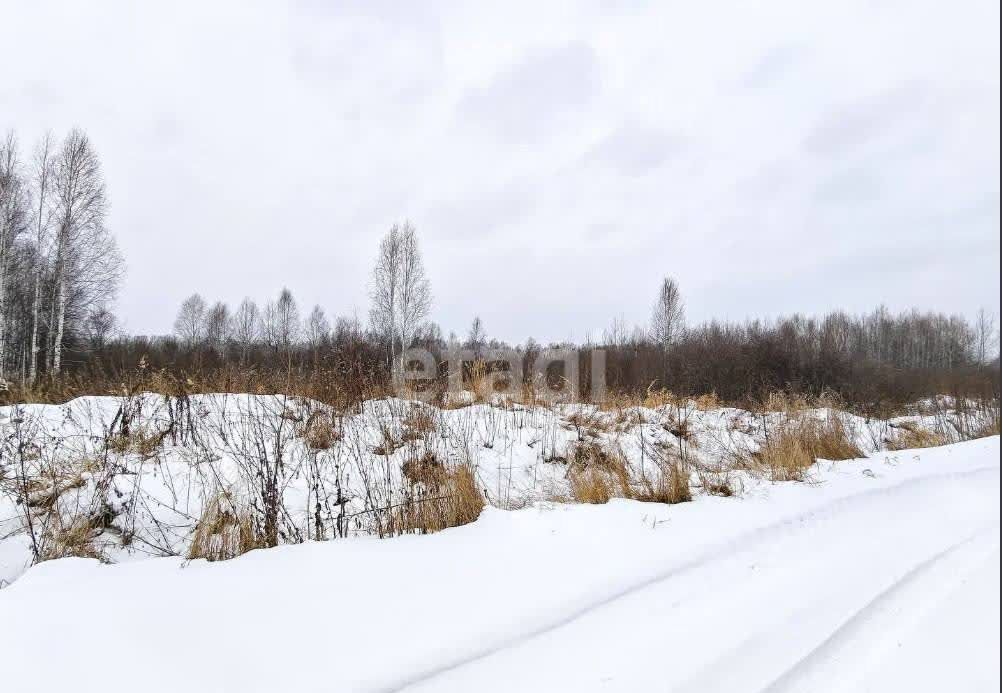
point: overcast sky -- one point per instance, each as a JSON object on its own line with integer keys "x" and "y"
{"x": 557, "y": 159}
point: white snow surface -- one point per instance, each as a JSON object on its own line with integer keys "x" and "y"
{"x": 879, "y": 574}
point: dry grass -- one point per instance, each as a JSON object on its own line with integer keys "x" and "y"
{"x": 716, "y": 482}
{"x": 426, "y": 470}
{"x": 73, "y": 539}
{"x": 588, "y": 424}
{"x": 320, "y": 431}
{"x": 790, "y": 450}
{"x": 446, "y": 497}
{"x": 480, "y": 382}
{"x": 590, "y": 486}
{"x": 144, "y": 443}
{"x": 222, "y": 532}
{"x": 910, "y": 435}
{"x": 707, "y": 402}
{"x": 594, "y": 466}
{"x": 389, "y": 442}
{"x": 418, "y": 424}
{"x": 655, "y": 399}
{"x": 670, "y": 485}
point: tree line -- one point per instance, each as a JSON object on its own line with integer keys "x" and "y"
{"x": 878, "y": 356}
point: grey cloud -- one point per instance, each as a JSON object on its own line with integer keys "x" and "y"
{"x": 635, "y": 149}
{"x": 478, "y": 216}
{"x": 526, "y": 100}
{"x": 861, "y": 122}
{"x": 852, "y": 186}
{"x": 773, "y": 65}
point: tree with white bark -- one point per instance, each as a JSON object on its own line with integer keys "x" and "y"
{"x": 189, "y": 325}
{"x": 401, "y": 292}
{"x": 42, "y": 223}
{"x": 13, "y": 221}
{"x": 668, "y": 319}
{"x": 87, "y": 264}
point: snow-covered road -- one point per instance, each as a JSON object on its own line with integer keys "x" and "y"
{"x": 881, "y": 574}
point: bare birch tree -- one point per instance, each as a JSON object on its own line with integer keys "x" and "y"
{"x": 246, "y": 326}
{"x": 42, "y": 222}
{"x": 13, "y": 219}
{"x": 415, "y": 289}
{"x": 385, "y": 291}
{"x": 189, "y": 325}
{"x": 401, "y": 292}
{"x": 668, "y": 320}
{"x": 985, "y": 337}
{"x": 87, "y": 263}
{"x": 217, "y": 326}
{"x": 318, "y": 328}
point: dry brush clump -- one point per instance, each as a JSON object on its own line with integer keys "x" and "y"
{"x": 439, "y": 496}
{"x": 223, "y": 531}
{"x": 909, "y": 435}
{"x": 320, "y": 430}
{"x": 597, "y": 473}
{"x": 670, "y": 482}
{"x": 793, "y": 447}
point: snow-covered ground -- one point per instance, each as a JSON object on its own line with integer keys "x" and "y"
{"x": 878, "y": 574}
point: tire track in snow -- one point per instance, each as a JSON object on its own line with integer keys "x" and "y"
{"x": 739, "y": 544}
{"x": 845, "y": 656}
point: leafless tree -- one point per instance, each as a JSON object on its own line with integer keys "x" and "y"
{"x": 318, "y": 329}
{"x": 668, "y": 320}
{"x": 985, "y": 336}
{"x": 385, "y": 290}
{"x": 401, "y": 292}
{"x": 618, "y": 333}
{"x": 415, "y": 289}
{"x": 99, "y": 326}
{"x": 477, "y": 337}
{"x": 286, "y": 319}
{"x": 217, "y": 326}
{"x": 43, "y": 175}
{"x": 246, "y": 326}
{"x": 13, "y": 220}
{"x": 189, "y": 325}
{"x": 87, "y": 263}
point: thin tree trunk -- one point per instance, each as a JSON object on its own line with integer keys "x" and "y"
{"x": 33, "y": 353}
{"x": 3, "y": 297}
{"x": 57, "y": 349}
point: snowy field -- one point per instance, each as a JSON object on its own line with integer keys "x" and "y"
{"x": 879, "y": 573}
